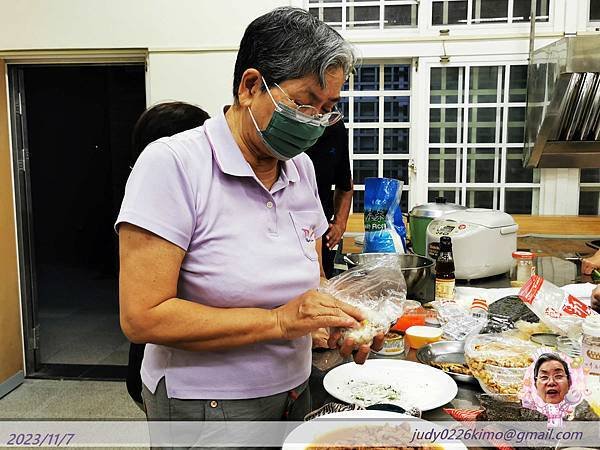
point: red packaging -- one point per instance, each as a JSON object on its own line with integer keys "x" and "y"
{"x": 552, "y": 305}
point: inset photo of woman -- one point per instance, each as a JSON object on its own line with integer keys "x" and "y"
{"x": 553, "y": 385}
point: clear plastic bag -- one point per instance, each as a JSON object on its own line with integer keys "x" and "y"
{"x": 457, "y": 322}
{"x": 462, "y": 327}
{"x": 561, "y": 312}
{"x": 378, "y": 289}
{"x": 499, "y": 362}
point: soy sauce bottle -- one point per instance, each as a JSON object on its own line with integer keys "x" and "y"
{"x": 445, "y": 279}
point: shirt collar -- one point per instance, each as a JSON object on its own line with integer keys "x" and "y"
{"x": 227, "y": 154}
{"x": 229, "y": 157}
{"x": 289, "y": 171}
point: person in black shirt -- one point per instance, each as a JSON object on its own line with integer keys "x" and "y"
{"x": 161, "y": 120}
{"x": 332, "y": 167}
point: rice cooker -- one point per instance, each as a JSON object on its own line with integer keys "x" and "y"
{"x": 483, "y": 241}
{"x": 420, "y": 217}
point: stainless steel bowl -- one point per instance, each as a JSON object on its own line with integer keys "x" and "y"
{"x": 446, "y": 352}
{"x": 416, "y": 270}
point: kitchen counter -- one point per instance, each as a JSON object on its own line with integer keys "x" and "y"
{"x": 543, "y": 246}
{"x": 554, "y": 262}
{"x": 553, "y": 268}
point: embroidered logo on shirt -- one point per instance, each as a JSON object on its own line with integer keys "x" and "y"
{"x": 309, "y": 234}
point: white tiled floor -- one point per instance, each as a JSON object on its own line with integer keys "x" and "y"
{"x": 67, "y": 399}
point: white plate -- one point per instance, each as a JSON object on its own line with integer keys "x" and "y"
{"x": 309, "y": 432}
{"x": 417, "y": 384}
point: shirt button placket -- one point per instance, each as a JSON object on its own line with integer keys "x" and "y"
{"x": 272, "y": 225}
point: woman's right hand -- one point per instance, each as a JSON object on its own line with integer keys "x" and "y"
{"x": 313, "y": 310}
{"x": 591, "y": 263}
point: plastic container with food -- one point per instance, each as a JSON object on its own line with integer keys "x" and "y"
{"x": 499, "y": 363}
{"x": 418, "y": 336}
{"x": 393, "y": 344}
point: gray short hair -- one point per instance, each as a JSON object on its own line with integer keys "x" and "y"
{"x": 289, "y": 43}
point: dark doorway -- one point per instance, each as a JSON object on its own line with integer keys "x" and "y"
{"x": 79, "y": 121}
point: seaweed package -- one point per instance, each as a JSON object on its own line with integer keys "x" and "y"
{"x": 378, "y": 289}
{"x": 513, "y": 308}
{"x": 384, "y": 228}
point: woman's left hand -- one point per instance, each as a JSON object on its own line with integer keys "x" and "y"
{"x": 320, "y": 338}
{"x": 359, "y": 353}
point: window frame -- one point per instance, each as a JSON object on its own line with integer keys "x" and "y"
{"x": 492, "y": 27}
{"x": 591, "y": 24}
{"x": 382, "y": 4}
{"x": 463, "y": 187}
{"x": 588, "y": 187}
{"x": 559, "y": 188}
{"x": 381, "y": 124}
{"x": 424, "y": 20}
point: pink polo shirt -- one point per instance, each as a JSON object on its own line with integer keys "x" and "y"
{"x": 246, "y": 246}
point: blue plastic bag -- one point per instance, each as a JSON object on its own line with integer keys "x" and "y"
{"x": 384, "y": 228}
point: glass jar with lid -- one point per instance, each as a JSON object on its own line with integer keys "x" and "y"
{"x": 523, "y": 268}
{"x": 590, "y": 346}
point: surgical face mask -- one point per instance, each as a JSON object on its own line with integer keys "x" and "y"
{"x": 289, "y": 132}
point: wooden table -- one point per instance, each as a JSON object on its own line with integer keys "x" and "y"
{"x": 561, "y": 248}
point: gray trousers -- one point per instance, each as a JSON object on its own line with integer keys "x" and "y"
{"x": 293, "y": 405}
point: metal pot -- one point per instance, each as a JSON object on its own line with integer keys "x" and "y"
{"x": 416, "y": 270}
{"x": 419, "y": 218}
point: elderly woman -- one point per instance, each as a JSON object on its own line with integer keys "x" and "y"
{"x": 220, "y": 233}
{"x": 552, "y": 378}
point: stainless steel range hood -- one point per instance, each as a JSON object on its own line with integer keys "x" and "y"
{"x": 563, "y": 105}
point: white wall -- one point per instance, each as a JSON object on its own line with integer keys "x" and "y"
{"x": 192, "y": 44}
{"x": 204, "y": 79}
{"x": 61, "y": 24}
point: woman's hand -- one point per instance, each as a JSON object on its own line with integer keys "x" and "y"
{"x": 359, "y": 353}
{"x": 596, "y": 299}
{"x": 313, "y": 310}
{"x": 320, "y": 338}
{"x": 591, "y": 263}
